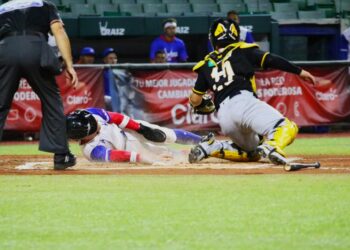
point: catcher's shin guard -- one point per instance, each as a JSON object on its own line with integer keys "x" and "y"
{"x": 281, "y": 136}
{"x": 209, "y": 147}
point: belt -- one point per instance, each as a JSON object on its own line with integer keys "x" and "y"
{"x": 22, "y": 33}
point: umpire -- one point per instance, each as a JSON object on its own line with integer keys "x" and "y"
{"x": 24, "y": 25}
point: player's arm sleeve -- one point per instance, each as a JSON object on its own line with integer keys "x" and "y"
{"x": 154, "y": 49}
{"x": 263, "y": 59}
{"x": 183, "y": 53}
{"x": 54, "y": 16}
{"x": 102, "y": 154}
{"x": 201, "y": 85}
{"x": 123, "y": 121}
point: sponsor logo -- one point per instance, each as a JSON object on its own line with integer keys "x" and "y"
{"x": 331, "y": 95}
{"x": 182, "y": 114}
{"x": 183, "y": 30}
{"x": 106, "y": 31}
{"x": 78, "y": 100}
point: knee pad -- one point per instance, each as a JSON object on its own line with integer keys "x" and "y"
{"x": 283, "y": 134}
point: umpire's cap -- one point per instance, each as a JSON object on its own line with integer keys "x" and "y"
{"x": 224, "y": 32}
{"x": 80, "y": 124}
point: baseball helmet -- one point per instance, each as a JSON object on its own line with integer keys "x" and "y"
{"x": 108, "y": 51}
{"x": 224, "y": 32}
{"x": 80, "y": 124}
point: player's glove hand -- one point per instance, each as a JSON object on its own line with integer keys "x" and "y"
{"x": 206, "y": 107}
{"x": 152, "y": 134}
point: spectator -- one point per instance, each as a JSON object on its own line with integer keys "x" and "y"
{"x": 160, "y": 57}
{"x": 87, "y": 56}
{"x": 173, "y": 47}
{"x": 246, "y": 34}
{"x": 110, "y": 57}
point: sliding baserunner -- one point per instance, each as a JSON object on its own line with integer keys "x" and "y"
{"x": 114, "y": 137}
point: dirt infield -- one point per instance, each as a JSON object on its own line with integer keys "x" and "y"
{"x": 42, "y": 165}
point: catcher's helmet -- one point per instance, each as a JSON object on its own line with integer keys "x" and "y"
{"x": 80, "y": 124}
{"x": 224, "y": 32}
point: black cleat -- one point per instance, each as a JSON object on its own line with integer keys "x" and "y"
{"x": 63, "y": 161}
{"x": 152, "y": 134}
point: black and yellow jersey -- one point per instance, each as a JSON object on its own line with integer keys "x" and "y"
{"x": 229, "y": 71}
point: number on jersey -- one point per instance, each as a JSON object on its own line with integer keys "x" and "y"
{"x": 226, "y": 73}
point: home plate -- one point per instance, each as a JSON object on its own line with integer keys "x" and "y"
{"x": 35, "y": 166}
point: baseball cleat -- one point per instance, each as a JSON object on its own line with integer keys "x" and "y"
{"x": 197, "y": 154}
{"x": 63, "y": 161}
{"x": 267, "y": 151}
{"x": 201, "y": 151}
{"x": 152, "y": 134}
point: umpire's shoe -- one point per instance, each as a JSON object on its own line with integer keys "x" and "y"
{"x": 201, "y": 151}
{"x": 270, "y": 152}
{"x": 63, "y": 161}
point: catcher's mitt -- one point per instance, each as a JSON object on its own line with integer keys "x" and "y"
{"x": 206, "y": 107}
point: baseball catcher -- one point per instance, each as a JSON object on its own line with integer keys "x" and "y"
{"x": 114, "y": 137}
{"x": 256, "y": 129}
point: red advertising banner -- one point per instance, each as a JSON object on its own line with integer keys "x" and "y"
{"x": 25, "y": 113}
{"x": 166, "y": 97}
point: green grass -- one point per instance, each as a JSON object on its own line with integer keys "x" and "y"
{"x": 302, "y": 146}
{"x": 175, "y": 212}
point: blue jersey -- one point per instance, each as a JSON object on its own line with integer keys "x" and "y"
{"x": 175, "y": 50}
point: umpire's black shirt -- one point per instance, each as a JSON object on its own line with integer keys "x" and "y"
{"x": 28, "y": 15}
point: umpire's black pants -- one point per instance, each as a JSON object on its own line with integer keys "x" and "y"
{"x": 20, "y": 57}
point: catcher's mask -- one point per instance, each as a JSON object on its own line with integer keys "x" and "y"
{"x": 224, "y": 32}
{"x": 80, "y": 124}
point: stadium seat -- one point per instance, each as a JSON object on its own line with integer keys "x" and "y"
{"x": 252, "y": 7}
{"x": 285, "y": 7}
{"x": 301, "y": 3}
{"x": 323, "y": 2}
{"x": 225, "y": 7}
{"x": 122, "y": 1}
{"x": 154, "y": 8}
{"x": 168, "y": 14}
{"x": 102, "y": 8}
{"x": 93, "y": 2}
{"x": 204, "y": 8}
{"x": 228, "y": 1}
{"x": 179, "y": 8}
{"x": 70, "y": 2}
{"x": 174, "y": 1}
{"x": 68, "y": 15}
{"x": 83, "y": 9}
{"x": 148, "y": 1}
{"x": 202, "y": 1}
{"x": 131, "y": 8}
{"x": 265, "y": 7}
{"x": 284, "y": 15}
{"x": 311, "y": 14}
{"x": 250, "y": 1}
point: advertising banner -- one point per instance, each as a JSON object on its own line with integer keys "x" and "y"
{"x": 165, "y": 97}
{"x": 25, "y": 113}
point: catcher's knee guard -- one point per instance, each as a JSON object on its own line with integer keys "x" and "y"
{"x": 282, "y": 135}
